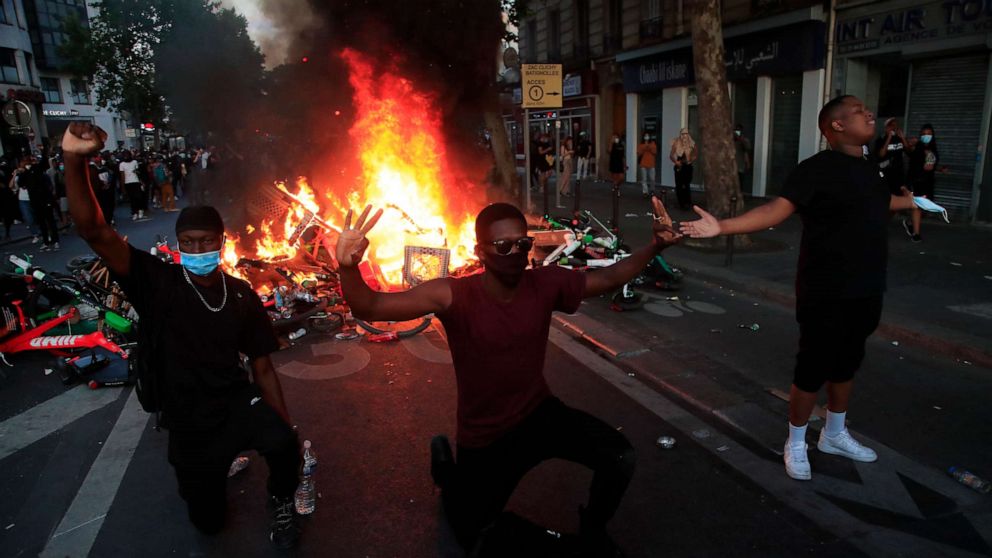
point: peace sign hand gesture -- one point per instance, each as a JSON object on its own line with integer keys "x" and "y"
{"x": 665, "y": 234}
{"x": 352, "y": 242}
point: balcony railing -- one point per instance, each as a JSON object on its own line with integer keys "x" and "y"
{"x": 651, "y": 28}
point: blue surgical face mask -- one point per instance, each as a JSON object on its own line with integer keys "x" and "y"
{"x": 925, "y": 138}
{"x": 200, "y": 264}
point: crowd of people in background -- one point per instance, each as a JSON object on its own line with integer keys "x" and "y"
{"x": 33, "y": 190}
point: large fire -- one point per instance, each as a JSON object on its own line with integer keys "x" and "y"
{"x": 398, "y": 137}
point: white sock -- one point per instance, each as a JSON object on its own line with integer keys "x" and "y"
{"x": 797, "y": 434}
{"x": 835, "y": 423}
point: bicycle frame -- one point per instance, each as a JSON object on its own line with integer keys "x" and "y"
{"x": 33, "y": 339}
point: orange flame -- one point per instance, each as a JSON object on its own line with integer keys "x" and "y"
{"x": 400, "y": 145}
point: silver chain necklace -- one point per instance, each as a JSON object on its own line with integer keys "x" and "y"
{"x": 223, "y": 283}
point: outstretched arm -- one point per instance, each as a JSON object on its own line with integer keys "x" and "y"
{"x": 81, "y": 141}
{"x": 758, "y": 219}
{"x": 611, "y": 278}
{"x": 428, "y": 298}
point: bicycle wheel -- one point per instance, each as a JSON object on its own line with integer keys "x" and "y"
{"x": 405, "y": 329}
{"x": 81, "y": 262}
{"x": 332, "y": 322}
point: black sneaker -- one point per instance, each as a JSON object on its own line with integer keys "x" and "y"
{"x": 285, "y": 531}
{"x": 442, "y": 461}
{"x": 908, "y": 227}
{"x": 916, "y": 238}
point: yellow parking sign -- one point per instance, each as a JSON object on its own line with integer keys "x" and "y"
{"x": 541, "y": 85}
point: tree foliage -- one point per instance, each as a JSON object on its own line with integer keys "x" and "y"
{"x": 187, "y": 61}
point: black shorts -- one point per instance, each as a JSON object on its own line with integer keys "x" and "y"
{"x": 832, "y": 336}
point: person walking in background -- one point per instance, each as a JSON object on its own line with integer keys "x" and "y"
{"x": 742, "y": 153}
{"x": 682, "y": 155}
{"x": 8, "y": 199}
{"x": 567, "y": 161}
{"x": 921, "y": 175}
{"x": 845, "y": 205}
{"x": 136, "y": 191}
{"x": 544, "y": 160}
{"x": 163, "y": 180}
{"x": 583, "y": 151}
{"x": 178, "y": 170}
{"x": 647, "y": 153}
{"x": 41, "y": 194}
{"x": 618, "y": 162}
{"x": 24, "y": 198}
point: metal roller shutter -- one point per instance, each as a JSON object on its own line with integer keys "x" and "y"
{"x": 949, "y": 94}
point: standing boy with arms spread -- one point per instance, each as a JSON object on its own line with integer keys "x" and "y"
{"x": 844, "y": 203}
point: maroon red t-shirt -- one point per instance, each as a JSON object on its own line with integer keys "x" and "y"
{"x": 498, "y": 348}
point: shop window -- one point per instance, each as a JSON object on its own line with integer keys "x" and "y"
{"x": 53, "y": 93}
{"x": 8, "y": 66}
{"x": 80, "y": 92}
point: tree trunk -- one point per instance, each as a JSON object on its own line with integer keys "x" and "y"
{"x": 505, "y": 175}
{"x": 716, "y": 132}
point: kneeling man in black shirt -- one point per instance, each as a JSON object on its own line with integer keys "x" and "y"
{"x": 202, "y": 321}
{"x": 844, "y": 203}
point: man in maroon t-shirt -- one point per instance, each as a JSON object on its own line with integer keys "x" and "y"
{"x": 497, "y": 325}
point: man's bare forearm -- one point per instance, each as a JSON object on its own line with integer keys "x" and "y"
{"x": 83, "y": 206}
{"x": 361, "y": 299}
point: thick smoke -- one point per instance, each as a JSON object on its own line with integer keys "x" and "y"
{"x": 447, "y": 47}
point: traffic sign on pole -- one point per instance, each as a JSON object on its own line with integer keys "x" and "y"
{"x": 541, "y": 84}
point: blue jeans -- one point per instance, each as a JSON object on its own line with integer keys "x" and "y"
{"x": 27, "y": 213}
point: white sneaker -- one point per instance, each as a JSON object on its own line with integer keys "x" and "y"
{"x": 796, "y": 462}
{"x": 36, "y": 239}
{"x": 843, "y": 444}
{"x": 141, "y": 214}
{"x": 134, "y": 216}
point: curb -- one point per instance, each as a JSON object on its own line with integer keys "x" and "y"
{"x": 934, "y": 341}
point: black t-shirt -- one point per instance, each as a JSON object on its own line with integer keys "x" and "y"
{"x": 844, "y": 205}
{"x": 891, "y": 163}
{"x": 541, "y": 162}
{"x": 919, "y": 175}
{"x": 584, "y": 148}
{"x": 616, "y": 158}
{"x": 199, "y": 349}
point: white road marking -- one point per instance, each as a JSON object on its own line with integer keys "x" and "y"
{"x": 82, "y": 521}
{"x": 20, "y": 431}
{"x": 803, "y": 497}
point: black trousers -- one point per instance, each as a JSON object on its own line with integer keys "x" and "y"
{"x": 137, "y": 196}
{"x": 44, "y": 216}
{"x": 683, "y": 191}
{"x": 202, "y": 459}
{"x": 486, "y": 477}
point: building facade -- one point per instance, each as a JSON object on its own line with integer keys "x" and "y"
{"x": 920, "y": 60}
{"x": 30, "y": 70}
{"x": 927, "y": 62}
{"x": 19, "y": 81}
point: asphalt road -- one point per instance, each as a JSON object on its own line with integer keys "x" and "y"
{"x": 85, "y": 472}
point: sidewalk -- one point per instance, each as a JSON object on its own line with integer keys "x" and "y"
{"x": 940, "y": 291}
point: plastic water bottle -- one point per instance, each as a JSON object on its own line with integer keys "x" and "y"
{"x": 306, "y": 492}
{"x": 970, "y": 480}
{"x": 297, "y": 334}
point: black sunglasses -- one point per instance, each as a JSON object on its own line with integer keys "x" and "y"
{"x": 504, "y": 246}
